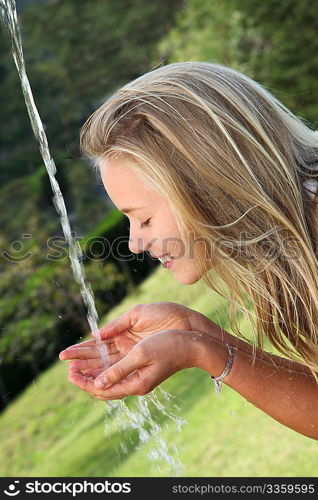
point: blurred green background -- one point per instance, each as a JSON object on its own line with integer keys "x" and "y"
{"x": 77, "y": 53}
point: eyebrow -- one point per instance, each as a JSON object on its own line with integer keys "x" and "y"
{"x": 128, "y": 210}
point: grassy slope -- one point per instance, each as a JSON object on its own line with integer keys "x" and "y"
{"x": 54, "y": 429}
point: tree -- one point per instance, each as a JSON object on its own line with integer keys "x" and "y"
{"x": 273, "y": 42}
{"x": 77, "y": 52}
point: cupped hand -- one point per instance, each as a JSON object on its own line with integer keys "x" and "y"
{"x": 136, "y": 366}
{"x": 140, "y": 338}
{"x": 143, "y": 320}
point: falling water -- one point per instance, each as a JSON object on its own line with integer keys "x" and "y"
{"x": 9, "y": 16}
{"x": 140, "y": 419}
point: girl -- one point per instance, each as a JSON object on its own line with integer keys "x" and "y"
{"x": 219, "y": 180}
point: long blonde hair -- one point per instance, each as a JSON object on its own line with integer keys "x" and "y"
{"x": 231, "y": 159}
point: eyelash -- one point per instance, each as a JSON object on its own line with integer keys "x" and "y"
{"x": 144, "y": 224}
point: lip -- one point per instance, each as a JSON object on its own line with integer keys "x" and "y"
{"x": 168, "y": 264}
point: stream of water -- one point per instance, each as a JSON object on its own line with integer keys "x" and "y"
{"x": 139, "y": 416}
{"x": 9, "y": 16}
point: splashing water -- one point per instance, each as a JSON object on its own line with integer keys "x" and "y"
{"x": 141, "y": 419}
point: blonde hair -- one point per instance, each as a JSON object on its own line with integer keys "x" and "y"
{"x": 231, "y": 159}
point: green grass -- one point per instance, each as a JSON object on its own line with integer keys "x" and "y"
{"x": 54, "y": 429}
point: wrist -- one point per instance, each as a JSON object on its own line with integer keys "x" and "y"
{"x": 228, "y": 367}
{"x": 208, "y": 353}
{"x": 211, "y": 329}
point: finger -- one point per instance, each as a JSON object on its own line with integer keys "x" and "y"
{"x": 106, "y": 399}
{"x": 90, "y": 343}
{"x": 119, "y": 371}
{"x": 134, "y": 384}
{"x": 92, "y": 373}
{"x": 96, "y": 363}
{"x": 84, "y": 382}
{"x": 83, "y": 352}
{"x": 118, "y": 325}
{"x": 87, "y": 364}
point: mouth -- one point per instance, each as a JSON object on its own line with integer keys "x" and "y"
{"x": 167, "y": 261}
{"x": 165, "y": 258}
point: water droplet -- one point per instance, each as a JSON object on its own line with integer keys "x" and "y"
{"x": 123, "y": 447}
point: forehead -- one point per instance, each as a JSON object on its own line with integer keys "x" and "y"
{"x": 125, "y": 187}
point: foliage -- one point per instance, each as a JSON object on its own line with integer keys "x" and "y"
{"x": 204, "y": 30}
{"x": 42, "y": 312}
{"x": 76, "y": 53}
{"x": 280, "y": 47}
{"x": 273, "y": 42}
{"x": 104, "y": 228}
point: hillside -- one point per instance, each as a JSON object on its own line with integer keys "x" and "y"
{"x": 53, "y": 429}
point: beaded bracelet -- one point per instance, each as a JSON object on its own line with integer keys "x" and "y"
{"x": 227, "y": 369}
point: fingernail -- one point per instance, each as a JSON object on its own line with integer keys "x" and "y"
{"x": 101, "y": 382}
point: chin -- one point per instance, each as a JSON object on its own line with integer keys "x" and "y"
{"x": 188, "y": 279}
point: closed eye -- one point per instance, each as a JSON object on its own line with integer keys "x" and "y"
{"x": 146, "y": 223}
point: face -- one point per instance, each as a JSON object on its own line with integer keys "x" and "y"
{"x": 153, "y": 226}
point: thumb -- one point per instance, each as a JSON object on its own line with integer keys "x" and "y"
{"x": 119, "y": 371}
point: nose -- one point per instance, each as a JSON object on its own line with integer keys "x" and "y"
{"x": 137, "y": 243}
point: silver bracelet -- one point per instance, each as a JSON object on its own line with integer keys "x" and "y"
{"x": 227, "y": 369}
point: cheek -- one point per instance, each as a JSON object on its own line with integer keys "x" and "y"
{"x": 176, "y": 246}
{"x": 185, "y": 272}
{"x": 167, "y": 236}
